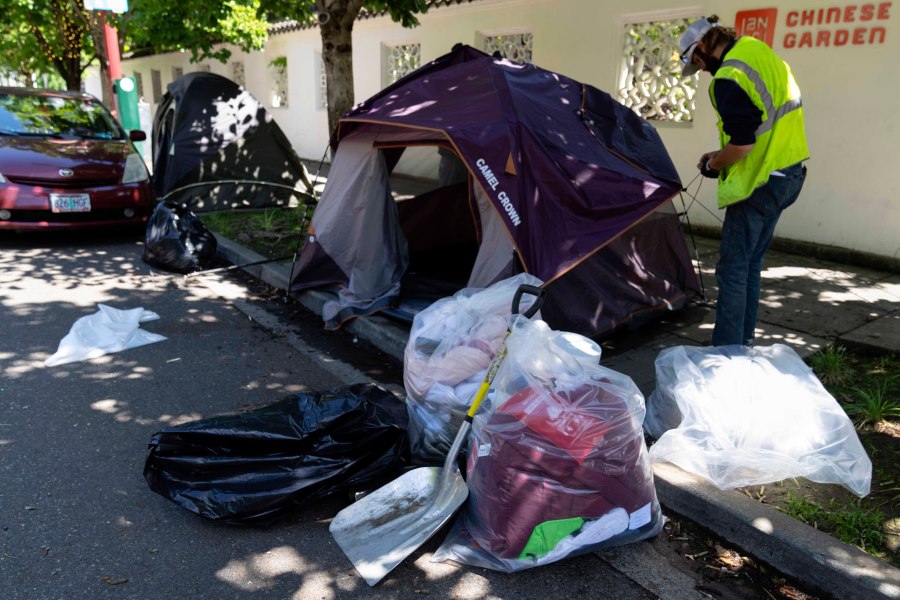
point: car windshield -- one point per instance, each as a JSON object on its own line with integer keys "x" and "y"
{"x": 54, "y": 116}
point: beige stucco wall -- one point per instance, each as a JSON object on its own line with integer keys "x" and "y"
{"x": 850, "y": 95}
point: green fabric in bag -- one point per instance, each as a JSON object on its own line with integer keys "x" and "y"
{"x": 547, "y": 535}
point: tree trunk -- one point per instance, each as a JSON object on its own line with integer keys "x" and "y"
{"x": 337, "y": 54}
{"x": 70, "y": 70}
{"x": 67, "y": 58}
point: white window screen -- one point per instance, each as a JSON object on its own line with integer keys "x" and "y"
{"x": 156, "y": 85}
{"x": 321, "y": 85}
{"x": 513, "y": 46}
{"x": 279, "y": 82}
{"x": 177, "y": 72}
{"x": 237, "y": 72}
{"x": 650, "y": 81}
{"x": 399, "y": 61}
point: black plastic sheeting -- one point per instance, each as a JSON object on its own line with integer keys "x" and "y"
{"x": 256, "y": 466}
{"x": 177, "y": 240}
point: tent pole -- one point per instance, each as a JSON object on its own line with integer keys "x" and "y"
{"x": 687, "y": 219}
{"x": 241, "y": 266}
{"x": 287, "y": 289}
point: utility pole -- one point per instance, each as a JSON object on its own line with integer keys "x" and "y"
{"x": 112, "y": 54}
{"x": 111, "y": 41}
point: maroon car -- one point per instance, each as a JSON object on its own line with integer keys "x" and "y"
{"x": 65, "y": 162}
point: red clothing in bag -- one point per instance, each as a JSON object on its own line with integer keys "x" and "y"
{"x": 546, "y": 456}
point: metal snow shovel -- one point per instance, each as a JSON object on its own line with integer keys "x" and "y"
{"x": 381, "y": 529}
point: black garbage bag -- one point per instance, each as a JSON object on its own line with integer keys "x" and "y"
{"x": 177, "y": 240}
{"x": 255, "y": 466}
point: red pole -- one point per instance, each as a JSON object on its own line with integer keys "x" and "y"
{"x": 112, "y": 56}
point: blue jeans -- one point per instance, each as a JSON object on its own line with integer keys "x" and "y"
{"x": 746, "y": 235}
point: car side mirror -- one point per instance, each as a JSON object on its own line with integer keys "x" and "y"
{"x": 136, "y": 135}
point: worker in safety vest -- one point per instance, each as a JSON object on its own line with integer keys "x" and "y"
{"x": 758, "y": 167}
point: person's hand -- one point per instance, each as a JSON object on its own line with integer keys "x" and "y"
{"x": 704, "y": 167}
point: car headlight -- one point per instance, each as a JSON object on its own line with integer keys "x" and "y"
{"x": 135, "y": 169}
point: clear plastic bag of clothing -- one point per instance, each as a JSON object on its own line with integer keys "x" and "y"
{"x": 557, "y": 466}
{"x": 451, "y": 343}
{"x": 740, "y": 416}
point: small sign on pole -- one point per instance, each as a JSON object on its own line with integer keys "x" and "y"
{"x": 116, "y": 6}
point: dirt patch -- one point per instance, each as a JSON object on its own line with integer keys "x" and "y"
{"x": 722, "y": 571}
{"x": 871, "y": 523}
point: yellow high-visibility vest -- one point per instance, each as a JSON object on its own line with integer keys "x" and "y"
{"x": 781, "y": 138}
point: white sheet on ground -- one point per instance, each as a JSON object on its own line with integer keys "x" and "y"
{"x": 107, "y": 330}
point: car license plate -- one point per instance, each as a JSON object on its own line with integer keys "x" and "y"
{"x": 60, "y": 203}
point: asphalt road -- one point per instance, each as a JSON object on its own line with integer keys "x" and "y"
{"x": 77, "y": 519}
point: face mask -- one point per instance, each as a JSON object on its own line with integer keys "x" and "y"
{"x": 711, "y": 63}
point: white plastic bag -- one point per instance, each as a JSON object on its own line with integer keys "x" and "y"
{"x": 451, "y": 343}
{"x": 740, "y": 416}
{"x": 557, "y": 465}
{"x": 107, "y": 330}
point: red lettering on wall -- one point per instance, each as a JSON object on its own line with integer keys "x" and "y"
{"x": 830, "y": 15}
{"x": 815, "y": 26}
{"x": 757, "y": 23}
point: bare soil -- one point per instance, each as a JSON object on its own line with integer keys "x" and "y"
{"x": 882, "y": 442}
{"x": 724, "y": 572}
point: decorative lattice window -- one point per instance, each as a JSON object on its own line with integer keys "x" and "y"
{"x": 399, "y": 61}
{"x": 321, "y": 84}
{"x": 139, "y": 84}
{"x": 177, "y": 72}
{"x": 156, "y": 84}
{"x": 279, "y": 82}
{"x": 237, "y": 73}
{"x": 650, "y": 81}
{"x": 513, "y": 46}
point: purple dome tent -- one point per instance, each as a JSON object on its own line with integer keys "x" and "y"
{"x": 554, "y": 178}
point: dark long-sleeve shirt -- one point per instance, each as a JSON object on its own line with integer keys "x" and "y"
{"x": 740, "y": 117}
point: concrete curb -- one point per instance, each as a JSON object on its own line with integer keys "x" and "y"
{"x": 806, "y": 554}
{"x": 811, "y": 557}
{"x": 384, "y": 334}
